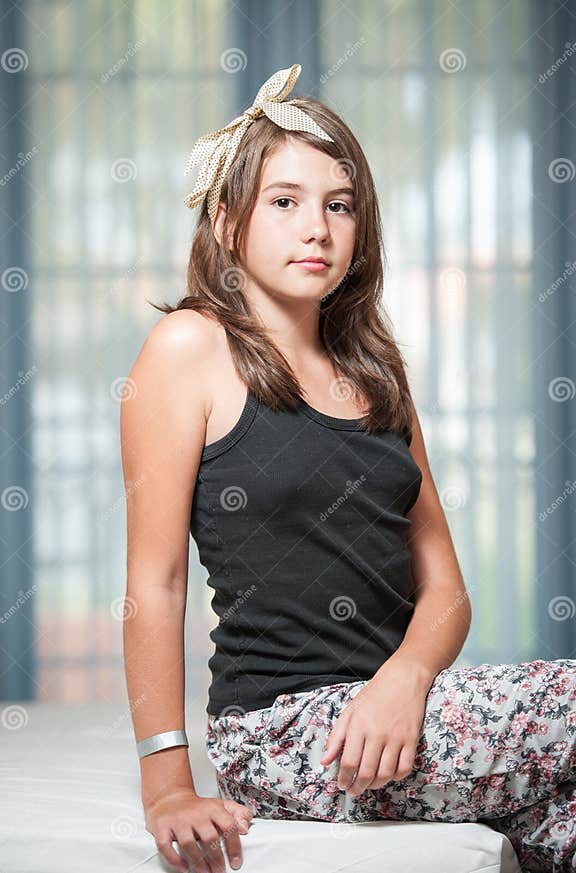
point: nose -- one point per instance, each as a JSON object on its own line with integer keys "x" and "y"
{"x": 314, "y": 224}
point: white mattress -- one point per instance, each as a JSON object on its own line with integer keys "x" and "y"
{"x": 70, "y": 803}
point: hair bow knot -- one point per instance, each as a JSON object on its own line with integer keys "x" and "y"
{"x": 216, "y": 150}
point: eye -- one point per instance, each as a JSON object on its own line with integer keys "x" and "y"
{"x": 334, "y": 202}
{"x": 278, "y": 199}
{"x": 338, "y": 203}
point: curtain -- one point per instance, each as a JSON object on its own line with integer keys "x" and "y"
{"x": 462, "y": 109}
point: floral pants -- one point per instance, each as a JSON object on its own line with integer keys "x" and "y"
{"x": 497, "y": 745}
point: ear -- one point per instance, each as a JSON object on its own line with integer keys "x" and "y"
{"x": 219, "y": 224}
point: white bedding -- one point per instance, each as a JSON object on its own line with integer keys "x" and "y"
{"x": 70, "y": 803}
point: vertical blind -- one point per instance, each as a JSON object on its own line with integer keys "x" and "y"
{"x": 438, "y": 95}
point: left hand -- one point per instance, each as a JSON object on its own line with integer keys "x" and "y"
{"x": 379, "y": 730}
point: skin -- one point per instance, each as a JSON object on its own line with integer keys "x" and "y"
{"x": 296, "y": 224}
{"x": 377, "y": 734}
{"x": 163, "y": 430}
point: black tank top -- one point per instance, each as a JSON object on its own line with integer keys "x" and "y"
{"x": 300, "y": 520}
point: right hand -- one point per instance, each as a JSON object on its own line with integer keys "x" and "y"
{"x": 195, "y": 821}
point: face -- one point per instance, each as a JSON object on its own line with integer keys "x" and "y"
{"x": 313, "y": 217}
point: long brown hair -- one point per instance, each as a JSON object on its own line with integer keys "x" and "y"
{"x": 354, "y": 328}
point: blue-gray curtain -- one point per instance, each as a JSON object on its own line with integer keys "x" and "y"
{"x": 17, "y": 584}
{"x": 85, "y": 94}
{"x": 553, "y": 45}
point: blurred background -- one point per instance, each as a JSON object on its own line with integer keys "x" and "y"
{"x": 466, "y": 112}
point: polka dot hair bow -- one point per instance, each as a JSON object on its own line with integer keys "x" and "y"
{"x": 216, "y": 150}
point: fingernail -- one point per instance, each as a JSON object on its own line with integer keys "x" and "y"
{"x": 236, "y": 863}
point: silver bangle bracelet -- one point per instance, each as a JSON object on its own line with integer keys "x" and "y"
{"x": 165, "y": 740}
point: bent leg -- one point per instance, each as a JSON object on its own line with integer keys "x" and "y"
{"x": 495, "y": 740}
{"x": 544, "y": 834}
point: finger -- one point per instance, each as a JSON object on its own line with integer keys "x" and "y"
{"x": 241, "y": 813}
{"x": 165, "y": 848}
{"x": 242, "y": 825}
{"x": 210, "y": 842}
{"x": 351, "y": 757}
{"x": 189, "y": 846}
{"x": 234, "y": 807}
{"x": 228, "y": 827}
{"x": 334, "y": 741}
{"x": 168, "y": 852}
{"x": 387, "y": 766}
{"x": 332, "y": 750}
{"x": 406, "y": 761}
{"x": 367, "y": 769}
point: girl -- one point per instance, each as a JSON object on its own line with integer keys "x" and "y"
{"x": 271, "y": 416}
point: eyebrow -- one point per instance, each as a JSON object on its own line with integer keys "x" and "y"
{"x": 295, "y": 187}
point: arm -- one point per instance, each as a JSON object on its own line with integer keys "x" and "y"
{"x": 154, "y": 666}
{"x": 442, "y": 613}
{"x": 380, "y": 728}
{"x": 163, "y": 425}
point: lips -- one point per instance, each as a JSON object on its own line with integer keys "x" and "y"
{"x": 312, "y": 261}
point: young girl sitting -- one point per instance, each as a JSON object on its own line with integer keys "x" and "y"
{"x": 270, "y": 415}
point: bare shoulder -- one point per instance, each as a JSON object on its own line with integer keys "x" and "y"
{"x": 167, "y": 400}
{"x": 163, "y": 431}
{"x": 184, "y": 324}
{"x": 180, "y": 347}
{"x": 185, "y": 333}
